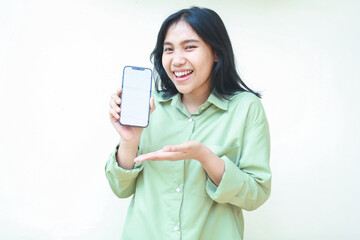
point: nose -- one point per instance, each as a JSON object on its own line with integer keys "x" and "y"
{"x": 178, "y": 59}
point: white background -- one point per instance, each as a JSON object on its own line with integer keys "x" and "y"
{"x": 61, "y": 60}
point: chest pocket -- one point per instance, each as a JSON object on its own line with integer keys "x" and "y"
{"x": 220, "y": 151}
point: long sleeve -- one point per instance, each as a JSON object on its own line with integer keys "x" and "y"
{"x": 122, "y": 181}
{"x": 246, "y": 181}
{"x": 171, "y": 199}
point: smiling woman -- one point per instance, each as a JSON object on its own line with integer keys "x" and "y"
{"x": 205, "y": 154}
{"x": 188, "y": 62}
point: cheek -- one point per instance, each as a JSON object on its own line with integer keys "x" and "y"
{"x": 165, "y": 61}
{"x": 166, "y": 65}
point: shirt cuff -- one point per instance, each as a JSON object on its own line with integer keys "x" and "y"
{"x": 222, "y": 192}
{"x": 114, "y": 169}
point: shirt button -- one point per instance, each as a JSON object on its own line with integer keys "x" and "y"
{"x": 202, "y": 108}
{"x": 190, "y": 120}
{"x": 176, "y": 228}
{"x": 178, "y": 189}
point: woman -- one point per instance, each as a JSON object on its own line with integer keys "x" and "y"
{"x": 205, "y": 154}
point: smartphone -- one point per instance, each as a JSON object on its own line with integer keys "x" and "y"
{"x": 135, "y": 96}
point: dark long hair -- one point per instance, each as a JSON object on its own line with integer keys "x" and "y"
{"x": 224, "y": 80}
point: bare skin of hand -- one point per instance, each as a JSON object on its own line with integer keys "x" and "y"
{"x": 128, "y": 134}
{"x": 187, "y": 150}
{"x": 212, "y": 164}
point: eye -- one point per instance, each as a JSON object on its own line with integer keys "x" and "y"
{"x": 168, "y": 49}
{"x": 190, "y": 47}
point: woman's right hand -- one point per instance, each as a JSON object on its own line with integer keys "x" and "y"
{"x": 127, "y": 134}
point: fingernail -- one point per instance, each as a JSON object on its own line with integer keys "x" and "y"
{"x": 167, "y": 148}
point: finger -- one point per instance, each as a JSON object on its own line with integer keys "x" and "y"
{"x": 116, "y": 98}
{"x": 145, "y": 157}
{"x": 184, "y": 147}
{"x": 157, "y": 156}
{"x": 115, "y": 106}
{"x": 152, "y": 105}
{"x": 119, "y": 91}
{"x": 114, "y": 114}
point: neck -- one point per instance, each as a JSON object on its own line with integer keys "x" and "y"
{"x": 192, "y": 102}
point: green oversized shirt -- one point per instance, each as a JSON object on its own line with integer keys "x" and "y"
{"x": 176, "y": 199}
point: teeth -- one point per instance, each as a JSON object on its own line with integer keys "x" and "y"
{"x": 179, "y": 74}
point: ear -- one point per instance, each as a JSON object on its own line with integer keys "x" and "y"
{"x": 216, "y": 57}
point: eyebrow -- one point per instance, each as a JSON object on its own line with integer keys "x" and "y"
{"x": 183, "y": 42}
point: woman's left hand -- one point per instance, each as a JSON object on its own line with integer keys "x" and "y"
{"x": 212, "y": 164}
{"x": 186, "y": 150}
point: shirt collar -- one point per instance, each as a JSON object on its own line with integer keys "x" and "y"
{"x": 176, "y": 100}
{"x": 218, "y": 102}
{"x": 160, "y": 97}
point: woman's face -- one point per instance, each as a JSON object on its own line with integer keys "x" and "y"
{"x": 188, "y": 60}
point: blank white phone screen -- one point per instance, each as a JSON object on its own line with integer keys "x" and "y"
{"x": 135, "y": 97}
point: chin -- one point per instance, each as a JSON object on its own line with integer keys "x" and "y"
{"x": 182, "y": 90}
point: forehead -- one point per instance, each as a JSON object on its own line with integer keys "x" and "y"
{"x": 180, "y": 31}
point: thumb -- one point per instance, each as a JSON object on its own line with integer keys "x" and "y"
{"x": 152, "y": 105}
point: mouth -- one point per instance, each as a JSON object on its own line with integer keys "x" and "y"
{"x": 182, "y": 75}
